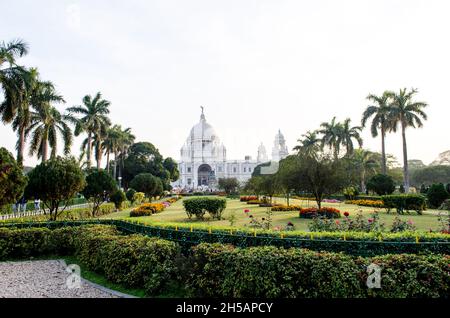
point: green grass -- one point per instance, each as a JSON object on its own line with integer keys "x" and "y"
{"x": 176, "y": 214}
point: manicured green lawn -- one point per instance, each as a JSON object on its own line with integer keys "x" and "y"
{"x": 176, "y": 214}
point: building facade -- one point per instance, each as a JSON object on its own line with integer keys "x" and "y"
{"x": 203, "y": 159}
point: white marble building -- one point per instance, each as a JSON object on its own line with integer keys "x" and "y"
{"x": 204, "y": 159}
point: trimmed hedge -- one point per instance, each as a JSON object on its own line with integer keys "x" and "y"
{"x": 276, "y": 272}
{"x": 267, "y": 271}
{"x": 199, "y": 206}
{"x": 402, "y": 202}
{"x": 329, "y": 213}
{"x": 131, "y": 260}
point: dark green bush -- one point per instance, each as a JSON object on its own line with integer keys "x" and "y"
{"x": 130, "y": 195}
{"x": 118, "y": 197}
{"x": 276, "y": 272}
{"x": 199, "y": 206}
{"x": 405, "y": 202}
{"x": 437, "y": 194}
{"x": 381, "y": 184}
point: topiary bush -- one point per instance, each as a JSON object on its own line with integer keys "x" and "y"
{"x": 199, "y": 206}
{"x": 118, "y": 198}
{"x": 130, "y": 195}
{"x": 381, "y": 184}
{"x": 405, "y": 202}
{"x": 437, "y": 194}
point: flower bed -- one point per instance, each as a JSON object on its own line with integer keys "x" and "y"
{"x": 248, "y": 198}
{"x": 369, "y": 203}
{"x": 147, "y": 209}
{"x": 329, "y": 213}
{"x": 284, "y": 208}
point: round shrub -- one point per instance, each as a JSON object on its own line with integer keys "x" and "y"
{"x": 436, "y": 195}
{"x": 117, "y": 197}
{"x": 381, "y": 184}
{"x": 199, "y": 206}
{"x": 130, "y": 195}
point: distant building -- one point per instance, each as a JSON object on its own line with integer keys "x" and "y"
{"x": 204, "y": 159}
{"x": 442, "y": 159}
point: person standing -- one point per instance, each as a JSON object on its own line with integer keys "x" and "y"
{"x": 37, "y": 203}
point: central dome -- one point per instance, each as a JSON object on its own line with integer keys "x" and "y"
{"x": 203, "y": 143}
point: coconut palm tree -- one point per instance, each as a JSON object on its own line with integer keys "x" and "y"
{"x": 310, "y": 143}
{"x": 125, "y": 142}
{"x": 15, "y": 82}
{"x": 46, "y": 122}
{"x": 364, "y": 161}
{"x": 93, "y": 121}
{"x": 378, "y": 112}
{"x": 405, "y": 112}
{"x": 347, "y": 133}
{"x": 331, "y": 133}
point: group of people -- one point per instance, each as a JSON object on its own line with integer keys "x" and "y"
{"x": 21, "y": 205}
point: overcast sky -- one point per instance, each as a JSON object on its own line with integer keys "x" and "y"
{"x": 256, "y": 66}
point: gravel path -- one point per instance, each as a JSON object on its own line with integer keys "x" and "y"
{"x": 43, "y": 279}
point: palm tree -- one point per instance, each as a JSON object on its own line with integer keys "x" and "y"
{"x": 94, "y": 121}
{"x": 379, "y": 113}
{"x": 110, "y": 143}
{"x": 310, "y": 143}
{"x": 125, "y": 142}
{"x": 46, "y": 122}
{"x": 364, "y": 161}
{"x": 347, "y": 134}
{"x": 331, "y": 136}
{"x": 406, "y": 113}
{"x": 15, "y": 82}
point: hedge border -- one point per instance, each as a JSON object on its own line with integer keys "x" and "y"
{"x": 189, "y": 237}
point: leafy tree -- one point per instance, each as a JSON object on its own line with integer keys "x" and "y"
{"x": 47, "y": 122}
{"x": 171, "y": 165}
{"x": 54, "y": 182}
{"x": 331, "y": 136}
{"x": 286, "y": 176}
{"x": 406, "y": 113}
{"x": 437, "y": 194}
{"x": 118, "y": 197}
{"x": 94, "y": 121}
{"x": 15, "y": 82}
{"x": 430, "y": 175}
{"x": 148, "y": 184}
{"x": 381, "y": 184}
{"x": 364, "y": 162}
{"x": 310, "y": 144}
{"x": 99, "y": 186}
{"x": 130, "y": 195}
{"x": 143, "y": 157}
{"x": 347, "y": 134}
{"x": 379, "y": 114}
{"x": 12, "y": 179}
{"x": 229, "y": 185}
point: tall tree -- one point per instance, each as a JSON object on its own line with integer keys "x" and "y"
{"x": 346, "y": 135}
{"x": 310, "y": 143}
{"x": 94, "y": 121}
{"x": 378, "y": 112}
{"x": 46, "y": 122}
{"x": 111, "y": 144}
{"x": 405, "y": 112}
{"x": 331, "y": 136}
{"x": 364, "y": 161}
{"x": 15, "y": 82}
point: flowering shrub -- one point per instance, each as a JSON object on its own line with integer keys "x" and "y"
{"x": 248, "y": 198}
{"x": 369, "y": 203}
{"x": 254, "y": 202}
{"x": 326, "y": 212}
{"x": 358, "y": 224}
{"x": 399, "y": 226}
{"x": 331, "y": 201}
{"x": 282, "y": 207}
{"x": 147, "y": 209}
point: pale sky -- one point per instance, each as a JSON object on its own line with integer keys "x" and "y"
{"x": 257, "y": 66}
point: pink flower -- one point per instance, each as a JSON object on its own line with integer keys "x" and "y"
{"x": 337, "y": 222}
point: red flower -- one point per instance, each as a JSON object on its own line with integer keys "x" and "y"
{"x": 346, "y": 214}
{"x": 246, "y": 210}
{"x": 370, "y": 220}
{"x": 337, "y": 222}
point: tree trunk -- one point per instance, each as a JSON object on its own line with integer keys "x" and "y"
{"x": 115, "y": 166}
{"x": 21, "y": 145}
{"x": 405, "y": 161}
{"x": 44, "y": 150}
{"x": 107, "y": 161}
{"x": 99, "y": 156}
{"x": 363, "y": 180}
{"x": 88, "y": 154}
{"x": 383, "y": 152}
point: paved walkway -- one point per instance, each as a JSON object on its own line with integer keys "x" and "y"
{"x": 44, "y": 279}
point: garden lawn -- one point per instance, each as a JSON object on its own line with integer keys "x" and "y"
{"x": 176, "y": 214}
